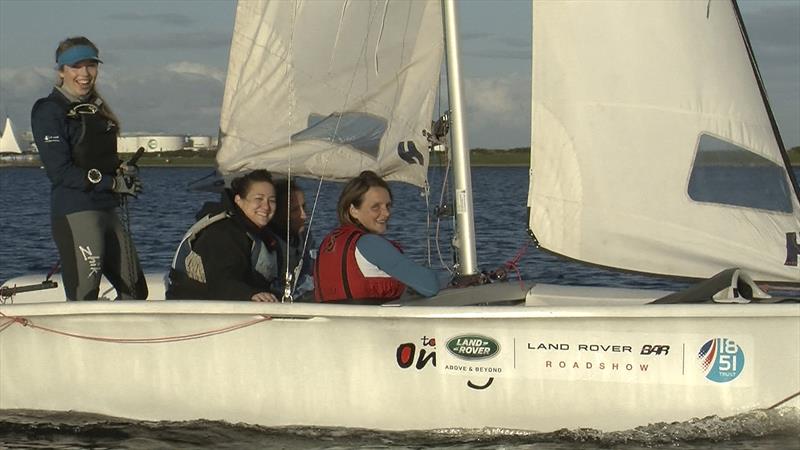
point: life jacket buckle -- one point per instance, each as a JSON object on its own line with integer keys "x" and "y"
{"x": 82, "y": 108}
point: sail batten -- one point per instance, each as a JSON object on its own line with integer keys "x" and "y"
{"x": 651, "y": 149}
{"x": 332, "y": 89}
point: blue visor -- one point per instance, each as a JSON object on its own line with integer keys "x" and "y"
{"x": 77, "y": 54}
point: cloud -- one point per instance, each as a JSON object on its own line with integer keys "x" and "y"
{"x": 774, "y": 30}
{"x": 500, "y": 53}
{"x": 203, "y": 71}
{"x": 475, "y": 35}
{"x": 516, "y": 42}
{"x": 495, "y": 46}
{"x": 161, "y": 18}
{"x": 172, "y": 41}
{"x": 183, "y": 99}
{"x": 19, "y": 89}
{"x": 499, "y": 111}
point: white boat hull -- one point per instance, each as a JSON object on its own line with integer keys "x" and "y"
{"x": 371, "y": 367}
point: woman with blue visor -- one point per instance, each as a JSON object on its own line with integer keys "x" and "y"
{"x": 76, "y": 134}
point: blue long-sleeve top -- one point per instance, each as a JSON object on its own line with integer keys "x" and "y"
{"x": 381, "y": 253}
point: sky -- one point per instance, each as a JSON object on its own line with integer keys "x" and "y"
{"x": 165, "y": 61}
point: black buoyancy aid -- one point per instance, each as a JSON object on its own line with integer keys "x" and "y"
{"x": 95, "y": 146}
{"x": 185, "y": 246}
{"x": 262, "y": 259}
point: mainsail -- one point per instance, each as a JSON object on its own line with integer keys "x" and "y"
{"x": 652, "y": 146}
{"x": 8, "y": 140}
{"x": 331, "y": 88}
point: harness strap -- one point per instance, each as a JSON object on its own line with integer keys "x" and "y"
{"x": 317, "y": 290}
{"x": 345, "y": 283}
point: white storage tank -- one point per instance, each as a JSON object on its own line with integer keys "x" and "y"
{"x": 162, "y": 143}
{"x": 127, "y": 144}
{"x": 200, "y": 142}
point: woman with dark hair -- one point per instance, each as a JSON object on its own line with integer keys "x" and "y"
{"x": 289, "y": 226}
{"x": 76, "y": 135}
{"x": 229, "y": 254}
{"x": 355, "y": 263}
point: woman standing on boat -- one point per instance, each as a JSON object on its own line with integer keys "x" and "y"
{"x": 355, "y": 263}
{"x": 230, "y": 254}
{"x": 290, "y": 221}
{"x": 76, "y": 135}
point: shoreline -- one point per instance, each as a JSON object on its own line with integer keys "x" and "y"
{"x": 194, "y": 161}
{"x": 212, "y": 166}
{"x": 479, "y": 157}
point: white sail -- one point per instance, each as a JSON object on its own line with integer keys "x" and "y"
{"x": 652, "y": 149}
{"x": 331, "y": 88}
{"x": 8, "y": 141}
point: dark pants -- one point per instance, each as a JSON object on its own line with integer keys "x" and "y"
{"x": 92, "y": 244}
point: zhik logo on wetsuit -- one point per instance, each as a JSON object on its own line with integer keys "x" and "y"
{"x": 93, "y": 261}
{"x": 50, "y": 139}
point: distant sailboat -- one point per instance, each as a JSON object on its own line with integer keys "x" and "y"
{"x": 8, "y": 141}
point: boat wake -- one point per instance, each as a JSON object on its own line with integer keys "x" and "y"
{"x": 772, "y": 429}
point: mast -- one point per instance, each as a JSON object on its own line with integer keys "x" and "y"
{"x": 465, "y": 224}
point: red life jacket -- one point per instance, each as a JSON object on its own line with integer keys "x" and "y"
{"x": 337, "y": 276}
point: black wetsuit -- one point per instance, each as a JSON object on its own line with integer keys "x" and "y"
{"x": 304, "y": 285}
{"x": 73, "y": 138}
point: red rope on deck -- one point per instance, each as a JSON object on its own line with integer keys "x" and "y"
{"x": 53, "y": 270}
{"x": 512, "y": 264}
{"x": 784, "y": 400}
{"x": 10, "y": 320}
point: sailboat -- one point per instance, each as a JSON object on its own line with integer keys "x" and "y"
{"x": 620, "y": 174}
{"x": 8, "y": 140}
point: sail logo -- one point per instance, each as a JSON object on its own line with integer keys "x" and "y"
{"x": 721, "y": 360}
{"x": 792, "y": 249}
{"x": 407, "y": 151}
{"x": 473, "y": 347}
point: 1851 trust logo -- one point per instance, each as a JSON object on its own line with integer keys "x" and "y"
{"x": 473, "y": 347}
{"x": 721, "y": 359}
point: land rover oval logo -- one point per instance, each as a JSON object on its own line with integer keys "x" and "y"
{"x": 473, "y": 347}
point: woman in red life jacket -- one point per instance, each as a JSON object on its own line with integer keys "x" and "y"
{"x": 355, "y": 263}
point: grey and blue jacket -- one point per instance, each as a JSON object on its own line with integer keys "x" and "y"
{"x": 224, "y": 256}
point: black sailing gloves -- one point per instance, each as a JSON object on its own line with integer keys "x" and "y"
{"x": 126, "y": 181}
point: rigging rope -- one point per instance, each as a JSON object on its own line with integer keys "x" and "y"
{"x": 344, "y": 107}
{"x": 288, "y": 287}
{"x": 53, "y": 270}
{"x": 442, "y": 205}
{"x": 513, "y": 264}
{"x": 10, "y": 320}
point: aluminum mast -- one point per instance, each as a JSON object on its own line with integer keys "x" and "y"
{"x": 465, "y": 224}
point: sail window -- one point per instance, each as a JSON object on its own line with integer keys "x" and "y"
{"x": 727, "y": 174}
{"x": 359, "y": 130}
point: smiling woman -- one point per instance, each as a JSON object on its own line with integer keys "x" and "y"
{"x": 229, "y": 254}
{"x": 355, "y": 263}
{"x": 76, "y": 135}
